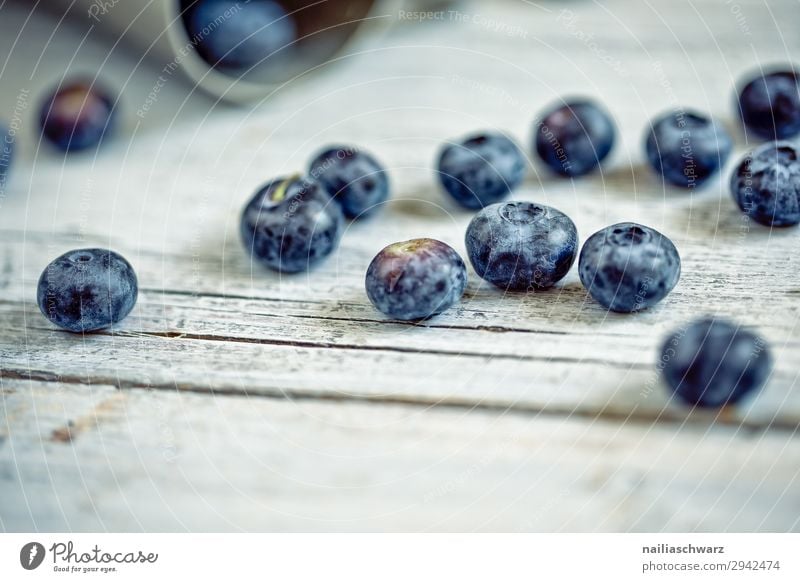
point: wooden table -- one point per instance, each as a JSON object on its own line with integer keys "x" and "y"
{"x": 237, "y": 399}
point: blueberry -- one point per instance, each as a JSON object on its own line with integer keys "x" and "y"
{"x": 627, "y": 267}
{"x": 87, "y": 289}
{"x": 236, "y": 36}
{"x": 766, "y": 184}
{"x": 416, "y": 279}
{"x": 6, "y": 154}
{"x": 769, "y": 105}
{"x": 573, "y": 139}
{"x": 481, "y": 170}
{"x": 291, "y": 224}
{"x": 521, "y": 246}
{"x": 687, "y": 148}
{"x": 356, "y": 180}
{"x": 714, "y": 362}
{"x": 77, "y": 116}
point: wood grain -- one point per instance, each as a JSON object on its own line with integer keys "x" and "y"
{"x": 150, "y": 460}
{"x": 234, "y": 398}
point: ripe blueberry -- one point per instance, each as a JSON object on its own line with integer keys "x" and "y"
{"x": 521, "y": 246}
{"x": 355, "y": 179}
{"x": 416, "y": 279}
{"x": 714, "y": 362}
{"x": 627, "y": 267}
{"x": 291, "y": 224}
{"x": 766, "y": 184}
{"x": 687, "y": 148}
{"x": 481, "y": 170}
{"x": 769, "y": 105}
{"x": 237, "y": 36}
{"x": 87, "y": 289}
{"x": 77, "y": 116}
{"x": 574, "y": 138}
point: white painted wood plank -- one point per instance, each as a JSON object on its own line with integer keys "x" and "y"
{"x": 140, "y": 460}
{"x": 394, "y": 370}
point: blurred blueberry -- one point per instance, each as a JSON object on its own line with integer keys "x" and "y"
{"x": 77, "y": 116}
{"x": 291, "y": 224}
{"x": 766, "y": 184}
{"x": 573, "y": 139}
{"x": 87, "y": 289}
{"x": 769, "y": 105}
{"x": 235, "y": 35}
{"x": 355, "y": 179}
{"x": 627, "y": 267}
{"x": 687, "y": 148}
{"x": 481, "y": 170}
{"x": 521, "y": 246}
{"x": 416, "y": 279}
{"x": 714, "y": 362}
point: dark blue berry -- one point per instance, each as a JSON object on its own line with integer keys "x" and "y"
{"x": 6, "y": 155}
{"x": 769, "y": 105}
{"x": 355, "y": 179}
{"x": 416, "y": 279}
{"x": 714, "y": 362}
{"x": 687, "y": 148}
{"x": 521, "y": 246}
{"x": 237, "y": 36}
{"x": 77, "y": 116}
{"x": 766, "y": 184}
{"x": 87, "y": 289}
{"x": 627, "y": 267}
{"x": 291, "y": 224}
{"x": 481, "y": 170}
{"x": 573, "y": 139}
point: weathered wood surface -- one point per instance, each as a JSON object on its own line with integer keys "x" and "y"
{"x": 234, "y": 398}
{"x": 161, "y": 460}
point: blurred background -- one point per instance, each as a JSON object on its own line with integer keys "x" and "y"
{"x": 504, "y": 60}
{"x": 404, "y": 68}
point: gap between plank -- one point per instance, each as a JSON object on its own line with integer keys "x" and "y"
{"x": 356, "y": 347}
{"x": 663, "y": 417}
